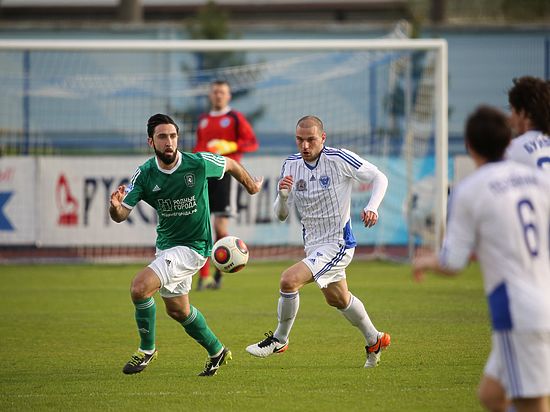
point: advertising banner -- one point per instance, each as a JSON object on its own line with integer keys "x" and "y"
{"x": 74, "y": 203}
{"x": 17, "y": 200}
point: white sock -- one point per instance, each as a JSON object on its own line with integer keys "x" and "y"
{"x": 287, "y": 309}
{"x": 357, "y": 315}
{"x": 147, "y": 351}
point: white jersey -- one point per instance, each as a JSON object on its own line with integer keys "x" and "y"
{"x": 322, "y": 194}
{"x": 532, "y": 149}
{"x": 502, "y": 212}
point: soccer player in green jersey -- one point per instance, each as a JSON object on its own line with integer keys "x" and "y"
{"x": 176, "y": 185}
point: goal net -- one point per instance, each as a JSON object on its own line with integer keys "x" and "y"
{"x": 73, "y": 115}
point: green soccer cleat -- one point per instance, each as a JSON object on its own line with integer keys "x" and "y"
{"x": 138, "y": 362}
{"x": 213, "y": 364}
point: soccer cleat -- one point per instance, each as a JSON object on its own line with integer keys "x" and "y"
{"x": 268, "y": 346}
{"x": 374, "y": 351}
{"x": 213, "y": 364}
{"x": 138, "y": 362}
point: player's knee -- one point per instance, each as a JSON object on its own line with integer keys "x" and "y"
{"x": 178, "y": 314}
{"x": 288, "y": 283}
{"x": 339, "y": 302}
{"x": 138, "y": 291}
{"x": 491, "y": 400}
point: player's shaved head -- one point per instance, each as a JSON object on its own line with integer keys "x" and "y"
{"x": 310, "y": 121}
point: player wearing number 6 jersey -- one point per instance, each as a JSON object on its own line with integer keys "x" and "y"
{"x": 502, "y": 212}
{"x": 318, "y": 181}
{"x": 529, "y": 100}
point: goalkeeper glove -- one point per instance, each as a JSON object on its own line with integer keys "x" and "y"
{"x": 222, "y": 147}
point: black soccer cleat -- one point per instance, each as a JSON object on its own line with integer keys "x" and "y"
{"x": 213, "y": 364}
{"x": 138, "y": 362}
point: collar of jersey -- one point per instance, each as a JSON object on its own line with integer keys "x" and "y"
{"x": 311, "y": 167}
{"x": 220, "y": 112}
{"x": 172, "y": 170}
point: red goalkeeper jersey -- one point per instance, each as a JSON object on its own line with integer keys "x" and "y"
{"x": 226, "y": 125}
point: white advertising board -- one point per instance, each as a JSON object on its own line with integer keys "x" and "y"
{"x": 73, "y": 203}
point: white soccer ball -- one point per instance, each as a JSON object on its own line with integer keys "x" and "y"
{"x": 230, "y": 254}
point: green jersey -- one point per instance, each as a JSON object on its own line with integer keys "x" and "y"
{"x": 180, "y": 197}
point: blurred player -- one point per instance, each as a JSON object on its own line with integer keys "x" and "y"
{"x": 529, "y": 100}
{"x": 318, "y": 181}
{"x": 175, "y": 184}
{"x": 223, "y": 131}
{"x": 502, "y": 212}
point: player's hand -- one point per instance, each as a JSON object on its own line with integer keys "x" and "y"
{"x": 117, "y": 196}
{"x": 423, "y": 261}
{"x": 285, "y": 186}
{"x": 369, "y": 218}
{"x": 258, "y": 181}
{"x": 221, "y": 147}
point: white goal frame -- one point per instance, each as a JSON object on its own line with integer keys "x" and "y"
{"x": 438, "y": 46}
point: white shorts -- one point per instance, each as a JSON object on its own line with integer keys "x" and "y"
{"x": 520, "y": 361}
{"x": 328, "y": 263}
{"x": 175, "y": 268}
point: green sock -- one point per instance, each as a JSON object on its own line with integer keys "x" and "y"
{"x": 196, "y": 327}
{"x": 145, "y": 318}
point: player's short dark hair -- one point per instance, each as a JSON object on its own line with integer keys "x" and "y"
{"x": 311, "y": 118}
{"x": 157, "y": 119}
{"x": 220, "y": 82}
{"x": 488, "y": 133}
{"x": 532, "y": 95}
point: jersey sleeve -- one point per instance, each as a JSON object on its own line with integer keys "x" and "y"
{"x": 357, "y": 168}
{"x": 246, "y": 138}
{"x": 460, "y": 236}
{"x": 134, "y": 190}
{"x": 214, "y": 165}
{"x": 200, "y": 145}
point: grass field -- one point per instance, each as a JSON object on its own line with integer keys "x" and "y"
{"x": 66, "y": 332}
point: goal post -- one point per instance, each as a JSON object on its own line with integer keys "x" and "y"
{"x": 340, "y": 71}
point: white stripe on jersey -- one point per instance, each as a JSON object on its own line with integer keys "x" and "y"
{"x": 215, "y": 159}
{"x": 322, "y": 193}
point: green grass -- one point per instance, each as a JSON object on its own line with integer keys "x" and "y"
{"x": 66, "y": 332}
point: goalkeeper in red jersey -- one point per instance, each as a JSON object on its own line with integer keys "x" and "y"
{"x": 226, "y": 132}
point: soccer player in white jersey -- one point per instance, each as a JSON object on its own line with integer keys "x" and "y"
{"x": 318, "y": 181}
{"x": 502, "y": 212}
{"x": 175, "y": 184}
{"x": 529, "y": 100}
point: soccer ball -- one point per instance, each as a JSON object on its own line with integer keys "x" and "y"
{"x": 230, "y": 254}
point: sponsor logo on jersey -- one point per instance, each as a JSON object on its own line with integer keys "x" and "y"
{"x": 301, "y": 185}
{"x": 325, "y": 181}
{"x": 312, "y": 178}
{"x": 312, "y": 261}
{"x": 190, "y": 179}
{"x": 203, "y": 123}
{"x": 226, "y": 121}
{"x": 156, "y": 188}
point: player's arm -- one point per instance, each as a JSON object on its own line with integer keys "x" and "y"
{"x": 430, "y": 261}
{"x": 369, "y": 215}
{"x": 118, "y": 212}
{"x": 251, "y": 184}
{"x": 458, "y": 243}
{"x": 281, "y": 205}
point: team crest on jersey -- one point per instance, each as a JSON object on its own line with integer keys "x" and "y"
{"x": 225, "y": 122}
{"x": 301, "y": 185}
{"x": 324, "y": 181}
{"x": 190, "y": 179}
{"x": 203, "y": 123}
